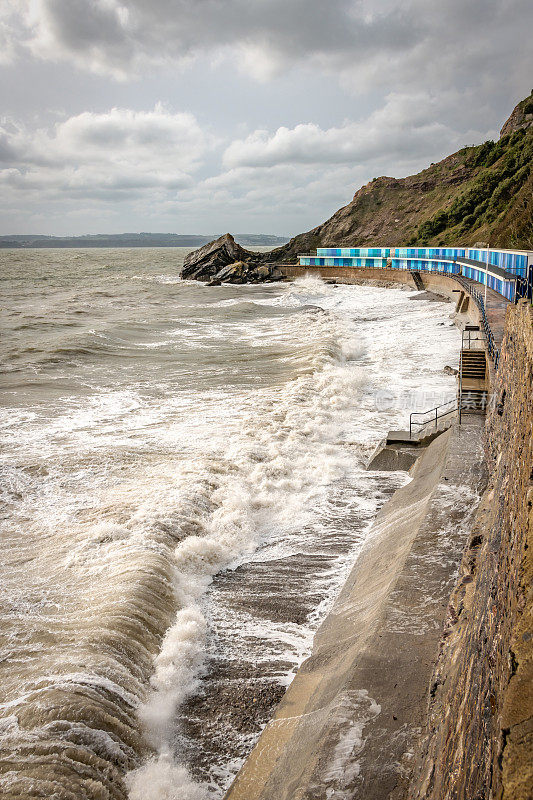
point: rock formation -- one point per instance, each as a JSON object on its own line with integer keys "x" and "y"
{"x": 225, "y": 261}
{"x": 205, "y": 263}
{"x": 521, "y": 118}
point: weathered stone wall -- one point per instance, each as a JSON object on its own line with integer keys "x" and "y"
{"x": 479, "y": 743}
{"x": 350, "y": 274}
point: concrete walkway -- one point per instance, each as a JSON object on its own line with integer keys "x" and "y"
{"x": 495, "y": 309}
{"x": 349, "y": 722}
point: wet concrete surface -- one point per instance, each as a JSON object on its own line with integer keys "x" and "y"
{"x": 245, "y": 675}
{"x": 348, "y": 725}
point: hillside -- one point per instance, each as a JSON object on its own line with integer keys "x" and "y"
{"x": 482, "y": 193}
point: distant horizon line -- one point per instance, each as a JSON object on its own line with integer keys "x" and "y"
{"x": 129, "y": 233}
{"x": 20, "y": 241}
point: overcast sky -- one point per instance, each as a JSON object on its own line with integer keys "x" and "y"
{"x": 253, "y": 116}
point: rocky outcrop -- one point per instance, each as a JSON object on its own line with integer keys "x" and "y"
{"x": 479, "y": 740}
{"x": 521, "y": 118}
{"x": 225, "y": 261}
{"x": 203, "y": 264}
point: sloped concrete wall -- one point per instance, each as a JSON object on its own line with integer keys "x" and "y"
{"x": 349, "y": 722}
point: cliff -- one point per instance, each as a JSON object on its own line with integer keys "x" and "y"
{"x": 479, "y": 739}
{"x": 482, "y": 193}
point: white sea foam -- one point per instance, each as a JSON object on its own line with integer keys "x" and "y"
{"x": 162, "y": 778}
{"x": 353, "y": 712}
{"x": 284, "y": 457}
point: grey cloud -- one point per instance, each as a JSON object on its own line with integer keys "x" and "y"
{"x": 363, "y": 42}
{"x": 110, "y": 155}
{"x": 122, "y": 37}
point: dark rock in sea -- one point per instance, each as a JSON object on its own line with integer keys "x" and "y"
{"x": 205, "y": 263}
{"x": 225, "y": 261}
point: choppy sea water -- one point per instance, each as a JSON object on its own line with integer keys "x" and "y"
{"x": 183, "y": 494}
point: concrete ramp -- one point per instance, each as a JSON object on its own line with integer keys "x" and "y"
{"x": 349, "y": 721}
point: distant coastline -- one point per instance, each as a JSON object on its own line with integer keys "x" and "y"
{"x": 135, "y": 240}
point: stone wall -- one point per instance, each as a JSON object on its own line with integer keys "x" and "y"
{"x": 351, "y": 275}
{"x": 479, "y": 741}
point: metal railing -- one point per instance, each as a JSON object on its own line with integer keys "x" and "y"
{"x": 468, "y": 339}
{"x": 493, "y": 351}
{"x": 436, "y": 415}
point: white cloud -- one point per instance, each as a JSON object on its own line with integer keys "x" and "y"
{"x": 397, "y": 134}
{"x": 111, "y": 155}
{"x": 11, "y": 29}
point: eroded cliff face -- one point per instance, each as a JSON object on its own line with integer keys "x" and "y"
{"x": 479, "y": 742}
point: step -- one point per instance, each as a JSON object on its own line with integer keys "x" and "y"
{"x": 400, "y": 437}
{"x": 474, "y": 403}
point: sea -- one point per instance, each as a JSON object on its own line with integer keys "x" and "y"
{"x": 184, "y": 486}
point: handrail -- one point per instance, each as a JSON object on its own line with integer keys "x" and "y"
{"x": 491, "y": 345}
{"x": 431, "y": 410}
{"x": 467, "y": 338}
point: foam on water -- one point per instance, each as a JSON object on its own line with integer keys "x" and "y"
{"x": 214, "y": 431}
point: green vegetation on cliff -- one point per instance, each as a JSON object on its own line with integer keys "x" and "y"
{"x": 481, "y": 193}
